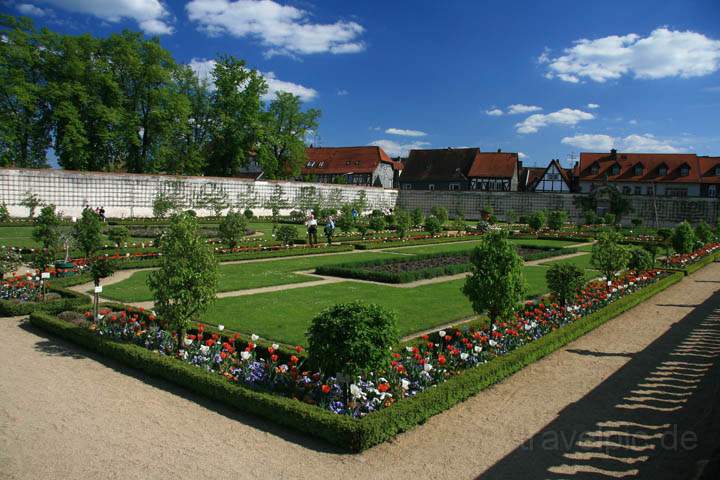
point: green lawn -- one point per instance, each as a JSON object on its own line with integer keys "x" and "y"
{"x": 582, "y": 261}
{"x": 459, "y": 246}
{"x": 242, "y": 276}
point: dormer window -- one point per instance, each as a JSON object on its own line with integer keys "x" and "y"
{"x": 638, "y": 170}
{"x": 321, "y": 164}
{"x": 717, "y": 170}
{"x": 684, "y": 171}
{"x": 310, "y": 164}
{"x": 594, "y": 169}
{"x": 662, "y": 170}
{"x": 615, "y": 170}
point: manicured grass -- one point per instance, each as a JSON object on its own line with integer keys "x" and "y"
{"x": 582, "y": 261}
{"x": 242, "y": 276}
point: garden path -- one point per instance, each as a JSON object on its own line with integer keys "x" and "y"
{"x": 66, "y": 413}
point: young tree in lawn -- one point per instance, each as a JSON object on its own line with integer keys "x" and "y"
{"x": 346, "y": 221}
{"x": 100, "y": 268}
{"x": 377, "y": 221}
{"x": 640, "y": 260}
{"x": 496, "y": 282}
{"x": 433, "y": 225}
{"x": 286, "y": 234}
{"x": 232, "y": 228}
{"x": 704, "y": 232}
{"x": 537, "y": 220}
{"x": 47, "y": 233}
{"x": 440, "y": 213}
{"x": 664, "y": 239}
{"x": 418, "y": 218}
{"x": 564, "y": 280}
{"x": 119, "y": 235}
{"x": 608, "y": 255}
{"x": 187, "y": 280}
{"x": 87, "y": 232}
{"x": 683, "y": 238}
{"x": 402, "y": 222}
{"x": 360, "y": 204}
{"x": 556, "y": 219}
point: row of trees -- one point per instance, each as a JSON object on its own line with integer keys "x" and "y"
{"x": 122, "y": 103}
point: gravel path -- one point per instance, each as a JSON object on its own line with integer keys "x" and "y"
{"x": 65, "y": 414}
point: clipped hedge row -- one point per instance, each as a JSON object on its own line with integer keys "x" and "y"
{"x": 354, "y": 435}
{"x": 372, "y": 245}
{"x": 70, "y": 301}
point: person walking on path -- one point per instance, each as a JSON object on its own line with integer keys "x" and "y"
{"x": 312, "y": 229}
{"x": 329, "y": 229}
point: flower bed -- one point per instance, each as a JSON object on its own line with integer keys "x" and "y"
{"x": 388, "y": 242}
{"x": 22, "y": 295}
{"x": 691, "y": 262}
{"x": 424, "y": 379}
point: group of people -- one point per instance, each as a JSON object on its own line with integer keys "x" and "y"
{"x": 100, "y": 211}
{"x": 312, "y": 227}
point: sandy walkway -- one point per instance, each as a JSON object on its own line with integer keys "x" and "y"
{"x": 64, "y": 414}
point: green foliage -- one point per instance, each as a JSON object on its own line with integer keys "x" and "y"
{"x": 362, "y": 225}
{"x": 440, "y": 213}
{"x": 248, "y": 214}
{"x": 640, "y": 260}
{"x": 433, "y": 225}
{"x": 163, "y": 205}
{"x": 360, "y": 204}
{"x": 610, "y": 219}
{"x": 47, "y": 233}
{"x": 68, "y": 300}
{"x": 608, "y": 255}
{"x": 704, "y": 232}
{"x": 9, "y": 260}
{"x": 352, "y": 338}
{"x": 31, "y": 202}
{"x": 683, "y": 238}
{"x": 556, "y": 219}
{"x": 537, "y": 220}
{"x": 458, "y": 224}
{"x": 118, "y": 235}
{"x": 4, "y": 213}
{"x": 275, "y": 203}
{"x": 232, "y": 228}
{"x": 590, "y": 217}
{"x": 101, "y": 268}
{"x": 286, "y": 234}
{"x": 564, "y": 280}
{"x": 187, "y": 280}
{"x": 511, "y": 216}
{"x": 417, "y": 217}
{"x": 496, "y": 283}
{"x": 377, "y": 221}
{"x": 87, "y": 232}
{"x": 636, "y": 222}
{"x": 346, "y": 221}
{"x": 402, "y": 222}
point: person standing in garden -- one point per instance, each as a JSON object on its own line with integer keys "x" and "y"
{"x": 312, "y": 229}
{"x": 329, "y": 229}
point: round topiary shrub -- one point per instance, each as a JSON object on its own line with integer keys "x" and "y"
{"x": 352, "y": 338}
{"x": 683, "y": 238}
{"x": 640, "y": 260}
{"x": 248, "y": 213}
{"x": 286, "y": 234}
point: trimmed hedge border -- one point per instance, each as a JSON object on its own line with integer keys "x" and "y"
{"x": 354, "y": 435}
{"x": 71, "y": 301}
{"x": 372, "y": 245}
{"x": 694, "y": 267}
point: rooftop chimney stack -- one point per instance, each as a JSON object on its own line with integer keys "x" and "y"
{"x": 613, "y": 154}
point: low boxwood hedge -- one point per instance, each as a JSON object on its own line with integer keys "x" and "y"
{"x": 354, "y": 435}
{"x": 374, "y": 244}
{"x": 70, "y": 301}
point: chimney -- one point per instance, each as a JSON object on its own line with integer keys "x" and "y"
{"x": 613, "y": 154}
{"x": 499, "y": 150}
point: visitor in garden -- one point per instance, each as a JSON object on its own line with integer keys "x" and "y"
{"x": 312, "y": 229}
{"x": 329, "y": 229}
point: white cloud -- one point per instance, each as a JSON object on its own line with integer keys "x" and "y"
{"x": 522, "y": 155}
{"x": 395, "y": 149}
{"x": 203, "y": 68}
{"x": 342, "y": 92}
{"x": 405, "y": 133}
{"x": 283, "y": 29}
{"x": 644, "y": 143}
{"x": 664, "y": 53}
{"x": 495, "y": 112}
{"x": 151, "y": 15}
{"x": 566, "y": 116}
{"x": 633, "y": 122}
{"x": 593, "y": 106}
{"x": 520, "y": 108}
{"x": 31, "y": 10}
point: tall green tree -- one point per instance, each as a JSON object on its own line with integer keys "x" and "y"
{"x": 282, "y": 151}
{"x": 87, "y": 232}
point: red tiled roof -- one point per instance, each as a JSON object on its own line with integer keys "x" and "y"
{"x": 494, "y": 164}
{"x": 341, "y": 160}
{"x": 651, "y": 162}
{"x": 533, "y": 175}
{"x": 709, "y": 168}
{"x": 443, "y": 164}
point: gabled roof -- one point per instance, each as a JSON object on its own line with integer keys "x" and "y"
{"x": 344, "y": 160}
{"x": 531, "y": 175}
{"x": 494, "y": 164}
{"x": 565, "y": 173}
{"x": 446, "y": 164}
{"x": 709, "y": 168}
{"x": 650, "y": 162}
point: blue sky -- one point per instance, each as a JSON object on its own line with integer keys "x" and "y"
{"x": 637, "y": 76}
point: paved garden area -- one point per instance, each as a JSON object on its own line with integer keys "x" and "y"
{"x": 67, "y": 414}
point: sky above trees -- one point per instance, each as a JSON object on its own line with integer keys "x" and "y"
{"x": 543, "y": 78}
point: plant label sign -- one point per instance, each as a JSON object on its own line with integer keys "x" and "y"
{"x": 98, "y": 289}
{"x": 45, "y": 275}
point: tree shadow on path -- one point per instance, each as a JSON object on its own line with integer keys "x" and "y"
{"x": 656, "y": 417}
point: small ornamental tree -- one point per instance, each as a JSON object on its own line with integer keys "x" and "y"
{"x": 87, "y": 233}
{"x": 47, "y": 233}
{"x": 286, "y": 234}
{"x": 232, "y": 228}
{"x": 31, "y": 202}
{"x": 608, "y": 255}
{"x": 440, "y": 213}
{"x": 362, "y": 225}
{"x": 458, "y": 224}
{"x": 636, "y": 222}
{"x": 402, "y": 222}
{"x": 187, "y": 280}
{"x": 9, "y": 260}
{"x": 640, "y": 260}
{"x": 433, "y": 225}
{"x": 118, "y": 235}
{"x": 537, "y": 220}
{"x": 417, "y": 217}
{"x": 346, "y": 221}
{"x": 248, "y": 214}
{"x": 704, "y": 232}
{"x": 496, "y": 282}
{"x": 665, "y": 239}
{"x": 564, "y": 280}
{"x": 610, "y": 219}
{"x": 556, "y": 219}
{"x": 163, "y": 205}
{"x": 377, "y": 221}
{"x": 4, "y": 213}
{"x": 352, "y": 339}
{"x": 683, "y": 238}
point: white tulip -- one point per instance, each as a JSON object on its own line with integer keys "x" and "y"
{"x": 427, "y": 367}
{"x": 275, "y": 346}
{"x": 442, "y": 333}
{"x": 245, "y": 355}
{"x": 221, "y": 327}
{"x": 254, "y": 337}
{"x": 477, "y": 348}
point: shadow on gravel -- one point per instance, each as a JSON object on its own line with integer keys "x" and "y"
{"x": 656, "y": 417}
{"x": 59, "y": 347}
{"x": 593, "y": 353}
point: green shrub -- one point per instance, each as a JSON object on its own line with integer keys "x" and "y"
{"x": 640, "y": 260}
{"x": 118, "y": 235}
{"x": 590, "y": 217}
{"x": 9, "y": 260}
{"x": 377, "y": 221}
{"x": 286, "y": 234}
{"x": 163, "y": 204}
{"x": 704, "y": 232}
{"x": 248, "y": 214}
{"x": 608, "y": 255}
{"x": 433, "y": 225}
{"x": 564, "y": 280}
{"x": 352, "y": 339}
{"x": 232, "y": 228}
{"x": 440, "y": 213}
{"x": 610, "y": 219}
{"x": 537, "y": 220}
{"x": 87, "y": 232}
{"x": 556, "y": 219}
{"x": 417, "y": 217}
{"x": 4, "y": 213}
{"x": 637, "y": 222}
{"x": 683, "y": 238}
{"x": 402, "y": 222}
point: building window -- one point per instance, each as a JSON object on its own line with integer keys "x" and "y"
{"x": 650, "y": 190}
{"x": 310, "y": 164}
{"x": 454, "y": 186}
{"x": 431, "y": 186}
{"x": 712, "y": 191}
{"x": 407, "y": 186}
{"x": 595, "y": 169}
{"x": 684, "y": 171}
{"x": 321, "y": 164}
{"x": 638, "y": 170}
{"x": 638, "y": 190}
{"x": 662, "y": 170}
{"x": 615, "y": 169}
{"x": 717, "y": 170}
